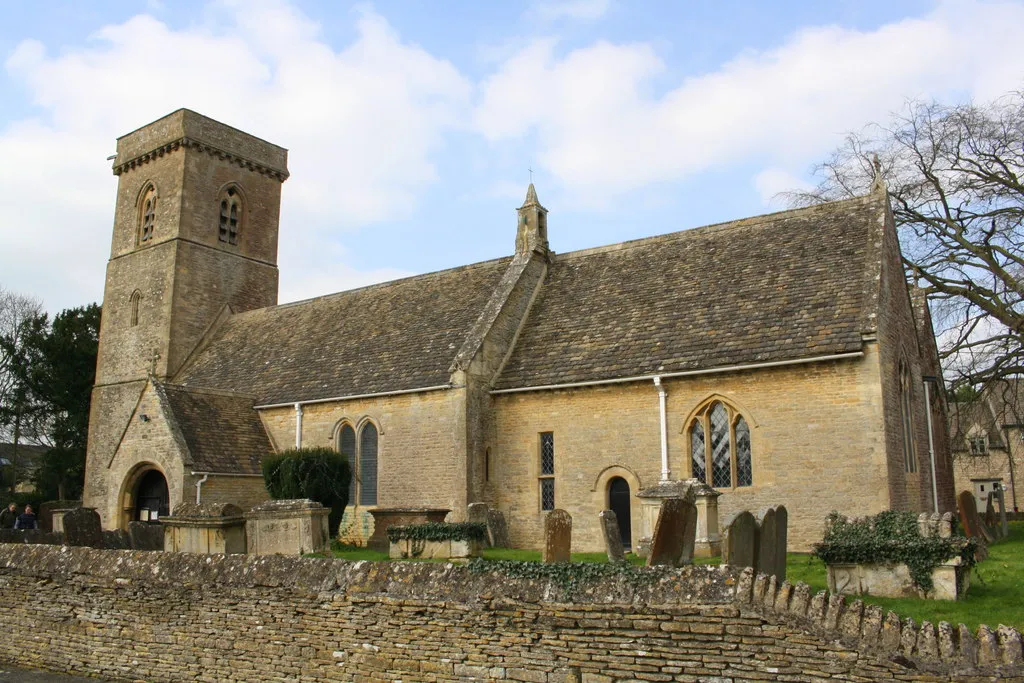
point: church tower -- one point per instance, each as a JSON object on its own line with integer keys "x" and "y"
{"x": 195, "y": 236}
{"x": 532, "y": 233}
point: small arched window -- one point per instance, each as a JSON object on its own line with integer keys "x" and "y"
{"x": 147, "y": 213}
{"x": 368, "y": 464}
{"x": 720, "y": 452}
{"x": 133, "y": 303}
{"x": 230, "y": 216}
{"x": 907, "y": 416}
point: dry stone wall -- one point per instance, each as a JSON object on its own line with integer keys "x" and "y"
{"x": 182, "y": 617}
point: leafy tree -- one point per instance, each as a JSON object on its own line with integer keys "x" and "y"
{"x": 955, "y": 175}
{"x": 55, "y": 369}
{"x": 16, "y": 312}
{"x": 320, "y": 474}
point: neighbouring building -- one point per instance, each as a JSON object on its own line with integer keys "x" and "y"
{"x": 988, "y": 442}
{"x": 780, "y": 358}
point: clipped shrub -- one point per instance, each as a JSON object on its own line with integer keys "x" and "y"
{"x": 891, "y": 537}
{"x": 320, "y": 474}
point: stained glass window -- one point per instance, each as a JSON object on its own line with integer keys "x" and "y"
{"x": 744, "y": 466}
{"x": 697, "y": 451}
{"x": 368, "y": 465}
{"x": 347, "y": 447}
{"x": 720, "y": 445}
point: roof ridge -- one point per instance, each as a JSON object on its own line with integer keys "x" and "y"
{"x": 766, "y": 218}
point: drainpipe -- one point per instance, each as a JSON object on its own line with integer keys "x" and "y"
{"x": 931, "y": 440}
{"x": 199, "y": 486}
{"x": 665, "y": 472}
{"x": 298, "y": 425}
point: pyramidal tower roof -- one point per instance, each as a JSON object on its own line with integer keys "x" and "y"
{"x": 531, "y": 197}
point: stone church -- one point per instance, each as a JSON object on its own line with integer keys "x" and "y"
{"x": 780, "y": 359}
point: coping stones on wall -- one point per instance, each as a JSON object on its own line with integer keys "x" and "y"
{"x": 145, "y": 536}
{"x": 497, "y": 529}
{"x": 739, "y": 542}
{"x": 781, "y": 541}
{"x": 557, "y": 536}
{"x": 674, "y": 533}
{"x": 82, "y": 527}
{"x": 767, "y": 538}
{"x": 612, "y": 536}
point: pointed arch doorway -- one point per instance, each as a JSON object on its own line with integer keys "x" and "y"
{"x": 151, "y": 498}
{"x": 619, "y": 503}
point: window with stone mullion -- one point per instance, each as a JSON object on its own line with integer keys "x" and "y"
{"x": 720, "y": 447}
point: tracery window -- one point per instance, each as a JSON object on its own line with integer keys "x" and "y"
{"x": 720, "y": 451}
{"x": 230, "y": 216}
{"x": 361, "y": 453}
{"x": 133, "y": 303}
{"x": 907, "y": 417}
{"x": 147, "y": 213}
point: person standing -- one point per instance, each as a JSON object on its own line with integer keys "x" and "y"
{"x": 26, "y": 520}
{"x": 9, "y": 516}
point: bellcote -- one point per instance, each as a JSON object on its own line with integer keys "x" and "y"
{"x": 532, "y": 231}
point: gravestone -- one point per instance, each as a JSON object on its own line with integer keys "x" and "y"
{"x": 476, "y": 513}
{"x": 82, "y": 527}
{"x": 1004, "y": 528}
{"x": 557, "y": 536}
{"x": 145, "y": 536}
{"x": 674, "y": 533}
{"x": 781, "y": 541}
{"x": 612, "y": 536}
{"x": 767, "y": 538}
{"x": 990, "y": 514}
{"x": 739, "y": 543}
{"x": 969, "y": 519}
{"x": 497, "y": 529}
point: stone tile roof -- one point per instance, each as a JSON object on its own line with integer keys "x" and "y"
{"x": 223, "y": 433}
{"x": 784, "y": 286}
{"x": 387, "y": 337}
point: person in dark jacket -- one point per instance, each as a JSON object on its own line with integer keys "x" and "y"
{"x": 9, "y": 516}
{"x": 26, "y": 520}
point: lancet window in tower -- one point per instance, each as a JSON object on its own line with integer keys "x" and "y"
{"x": 147, "y": 214}
{"x": 720, "y": 452}
{"x": 230, "y": 216}
{"x": 133, "y": 303}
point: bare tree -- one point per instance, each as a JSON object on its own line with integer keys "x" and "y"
{"x": 954, "y": 175}
{"x": 17, "y": 312}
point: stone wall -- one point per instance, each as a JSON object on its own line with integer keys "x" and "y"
{"x": 811, "y": 450}
{"x": 179, "y": 616}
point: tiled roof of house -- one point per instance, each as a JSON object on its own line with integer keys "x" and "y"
{"x": 388, "y": 337}
{"x": 223, "y": 433}
{"x": 784, "y": 286}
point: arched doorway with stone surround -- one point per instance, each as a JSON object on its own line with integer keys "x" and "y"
{"x": 144, "y": 495}
{"x": 615, "y": 488}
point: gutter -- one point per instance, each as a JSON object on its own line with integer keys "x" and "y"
{"x": 686, "y": 373}
{"x": 352, "y": 397}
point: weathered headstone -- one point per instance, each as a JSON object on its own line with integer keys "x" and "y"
{"x": 1004, "y": 527}
{"x": 674, "y": 533}
{"x": 82, "y": 527}
{"x": 739, "y": 542}
{"x": 145, "y": 536}
{"x": 767, "y": 538}
{"x": 969, "y": 519}
{"x": 476, "y": 513}
{"x": 497, "y": 529}
{"x": 612, "y": 536}
{"x": 557, "y": 536}
{"x": 781, "y": 541}
{"x": 990, "y": 514}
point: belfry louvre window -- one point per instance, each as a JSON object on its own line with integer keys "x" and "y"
{"x": 230, "y": 216}
{"x": 547, "y": 471}
{"x": 362, "y": 458}
{"x": 147, "y": 214}
{"x": 720, "y": 453}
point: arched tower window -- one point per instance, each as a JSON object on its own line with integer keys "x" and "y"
{"x": 368, "y": 464}
{"x": 720, "y": 452}
{"x": 230, "y": 215}
{"x": 907, "y": 416}
{"x": 147, "y": 213}
{"x": 133, "y": 302}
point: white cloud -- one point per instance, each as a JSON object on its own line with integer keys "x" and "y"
{"x": 361, "y": 124}
{"x": 603, "y": 130}
{"x": 772, "y": 182}
{"x": 581, "y": 10}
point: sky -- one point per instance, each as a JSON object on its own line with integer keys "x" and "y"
{"x": 414, "y": 126}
